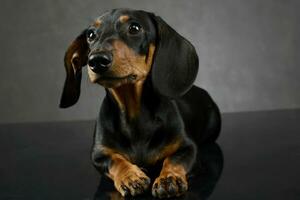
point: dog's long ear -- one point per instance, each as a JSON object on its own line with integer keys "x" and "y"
{"x": 175, "y": 64}
{"x": 75, "y": 59}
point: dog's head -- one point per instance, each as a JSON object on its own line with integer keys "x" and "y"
{"x": 124, "y": 46}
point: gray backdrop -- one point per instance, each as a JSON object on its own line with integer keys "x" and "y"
{"x": 248, "y": 50}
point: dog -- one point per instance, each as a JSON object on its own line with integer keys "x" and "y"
{"x": 152, "y": 115}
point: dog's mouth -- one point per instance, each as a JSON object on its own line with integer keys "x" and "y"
{"x": 111, "y": 79}
{"x": 115, "y": 81}
{"x": 130, "y": 77}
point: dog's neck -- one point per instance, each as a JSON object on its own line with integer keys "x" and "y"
{"x": 128, "y": 98}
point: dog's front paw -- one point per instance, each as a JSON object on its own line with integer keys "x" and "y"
{"x": 169, "y": 185}
{"x": 132, "y": 182}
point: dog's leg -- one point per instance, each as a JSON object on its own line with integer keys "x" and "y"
{"x": 128, "y": 178}
{"x": 172, "y": 180}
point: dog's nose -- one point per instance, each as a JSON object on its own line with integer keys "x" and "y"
{"x": 100, "y": 62}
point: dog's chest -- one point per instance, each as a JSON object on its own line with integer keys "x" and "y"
{"x": 143, "y": 138}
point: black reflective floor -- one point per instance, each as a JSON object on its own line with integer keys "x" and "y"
{"x": 256, "y": 157}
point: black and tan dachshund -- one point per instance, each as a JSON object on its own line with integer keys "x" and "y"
{"x": 152, "y": 115}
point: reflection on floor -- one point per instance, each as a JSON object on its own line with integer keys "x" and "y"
{"x": 51, "y": 161}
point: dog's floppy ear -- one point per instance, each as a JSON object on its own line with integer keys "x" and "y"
{"x": 175, "y": 64}
{"x": 75, "y": 59}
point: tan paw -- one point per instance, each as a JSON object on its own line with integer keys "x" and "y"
{"x": 132, "y": 182}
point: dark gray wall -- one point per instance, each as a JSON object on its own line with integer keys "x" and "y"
{"x": 248, "y": 50}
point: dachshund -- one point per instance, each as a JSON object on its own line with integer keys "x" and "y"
{"x": 152, "y": 116}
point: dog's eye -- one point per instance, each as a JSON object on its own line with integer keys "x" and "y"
{"x": 134, "y": 28}
{"x": 91, "y": 34}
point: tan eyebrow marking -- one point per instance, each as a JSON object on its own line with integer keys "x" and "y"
{"x": 123, "y": 18}
{"x": 97, "y": 23}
